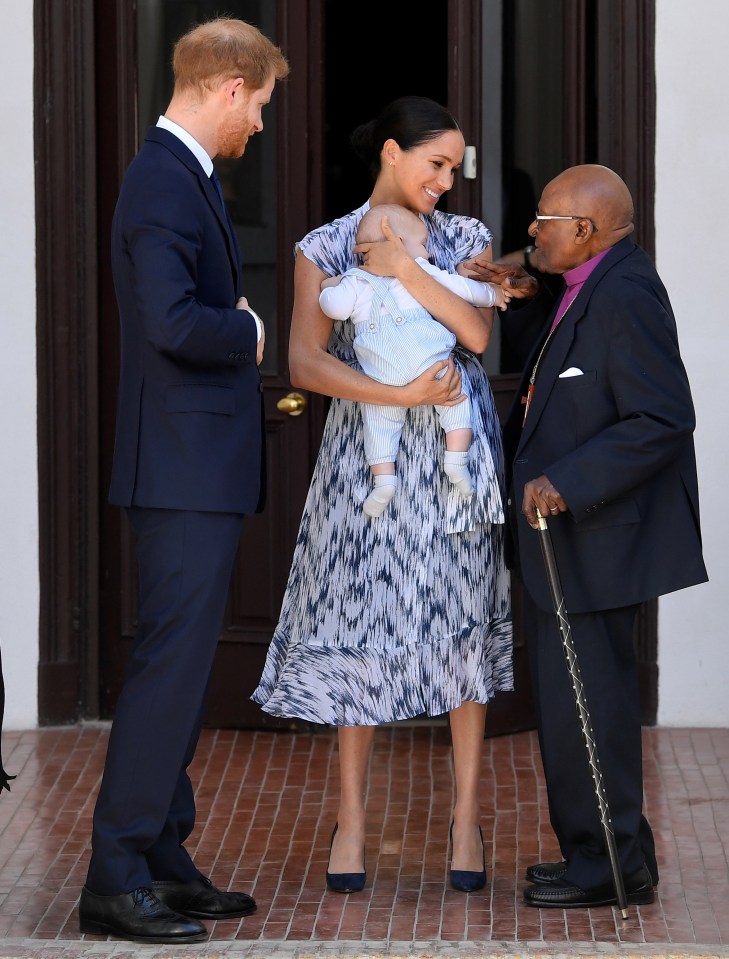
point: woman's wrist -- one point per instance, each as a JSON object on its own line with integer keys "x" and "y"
{"x": 406, "y": 268}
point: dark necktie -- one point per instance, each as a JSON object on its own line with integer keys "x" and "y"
{"x": 215, "y": 180}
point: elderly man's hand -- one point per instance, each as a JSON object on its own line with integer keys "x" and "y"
{"x": 513, "y": 278}
{"x": 540, "y": 494}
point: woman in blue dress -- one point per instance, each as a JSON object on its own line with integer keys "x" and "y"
{"x": 409, "y": 613}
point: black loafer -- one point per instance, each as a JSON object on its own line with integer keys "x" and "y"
{"x": 560, "y": 894}
{"x": 544, "y": 873}
{"x": 200, "y": 899}
{"x": 138, "y": 916}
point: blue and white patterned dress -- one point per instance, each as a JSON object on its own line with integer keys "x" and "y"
{"x": 409, "y": 613}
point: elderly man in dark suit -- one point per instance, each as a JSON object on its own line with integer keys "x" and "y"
{"x": 600, "y": 441}
{"x": 188, "y": 464}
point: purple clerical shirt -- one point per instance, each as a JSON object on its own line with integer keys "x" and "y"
{"x": 575, "y": 280}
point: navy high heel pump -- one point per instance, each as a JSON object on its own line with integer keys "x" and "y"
{"x": 467, "y": 880}
{"x": 345, "y": 881}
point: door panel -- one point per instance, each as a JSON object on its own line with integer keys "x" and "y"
{"x": 261, "y": 570}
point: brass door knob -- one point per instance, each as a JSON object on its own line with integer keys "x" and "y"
{"x": 294, "y": 404}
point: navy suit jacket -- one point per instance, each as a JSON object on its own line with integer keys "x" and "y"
{"x": 190, "y": 428}
{"x": 616, "y": 441}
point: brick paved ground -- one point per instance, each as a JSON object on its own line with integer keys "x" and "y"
{"x": 266, "y": 804}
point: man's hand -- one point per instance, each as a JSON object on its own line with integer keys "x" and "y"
{"x": 242, "y": 304}
{"x": 539, "y": 494}
{"x": 386, "y": 257}
{"x": 513, "y": 278}
{"x": 261, "y": 343}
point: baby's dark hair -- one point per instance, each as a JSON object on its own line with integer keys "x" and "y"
{"x": 409, "y": 121}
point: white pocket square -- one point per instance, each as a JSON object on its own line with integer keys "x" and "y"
{"x": 572, "y": 371}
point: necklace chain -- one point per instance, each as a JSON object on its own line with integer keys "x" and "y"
{"x": 526, "y": 400}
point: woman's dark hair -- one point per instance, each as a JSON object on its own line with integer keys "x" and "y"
{"x": 408, "y": 120}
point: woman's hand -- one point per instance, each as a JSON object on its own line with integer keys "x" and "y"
{"x": 439, "y": 385}
{"x": 513, "y": 278}
{"x": 386, "y": 257}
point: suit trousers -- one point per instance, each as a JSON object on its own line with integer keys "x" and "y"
{"x": 145, "y": 809}
{"x": 605, "y": 654}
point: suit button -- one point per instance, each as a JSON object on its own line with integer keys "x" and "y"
{"x": 243, "y": 356}
{"x": 232, "y": 356}
{"x": 260, "y": 387}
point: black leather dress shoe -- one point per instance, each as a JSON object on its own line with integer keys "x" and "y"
{"x": 201, "y": 900}
{"x": 560, "y": 894}
{"x": 138, "y": 916}
{"x": 544, "y": 873}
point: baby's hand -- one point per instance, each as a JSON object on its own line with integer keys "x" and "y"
{"x": 501, "y": 296}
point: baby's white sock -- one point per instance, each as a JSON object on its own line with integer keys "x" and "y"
{"x": 385, "y": 486}
{"x": 455, "y": 466}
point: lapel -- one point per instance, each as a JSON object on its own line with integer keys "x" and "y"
{"x": 231, "y": 238}
{"x": 553, "y": 360}
{"x": 188, "y": 159}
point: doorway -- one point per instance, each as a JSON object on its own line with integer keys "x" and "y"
{"x": 115, "y": 56}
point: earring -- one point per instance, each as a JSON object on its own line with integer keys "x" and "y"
{"x": 392, "y": 163}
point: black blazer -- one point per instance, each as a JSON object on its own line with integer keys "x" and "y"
{"x": 616, "y": 441}
{"x": 189, "y": 431}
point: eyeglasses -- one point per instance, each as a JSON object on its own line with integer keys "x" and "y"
{"x": 550, "y": 216}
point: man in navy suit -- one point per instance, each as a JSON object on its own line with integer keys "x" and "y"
{"x": 600, "y": 441}
{"x": 188, "y": 464}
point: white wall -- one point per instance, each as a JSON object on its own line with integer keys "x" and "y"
{"x": 19, "y": 586}
{"x": 692, "y": 223}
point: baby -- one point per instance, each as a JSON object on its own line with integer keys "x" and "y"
{"x": 396, "y": 340}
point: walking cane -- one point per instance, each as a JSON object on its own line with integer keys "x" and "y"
{"x": 573, "y": 667}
